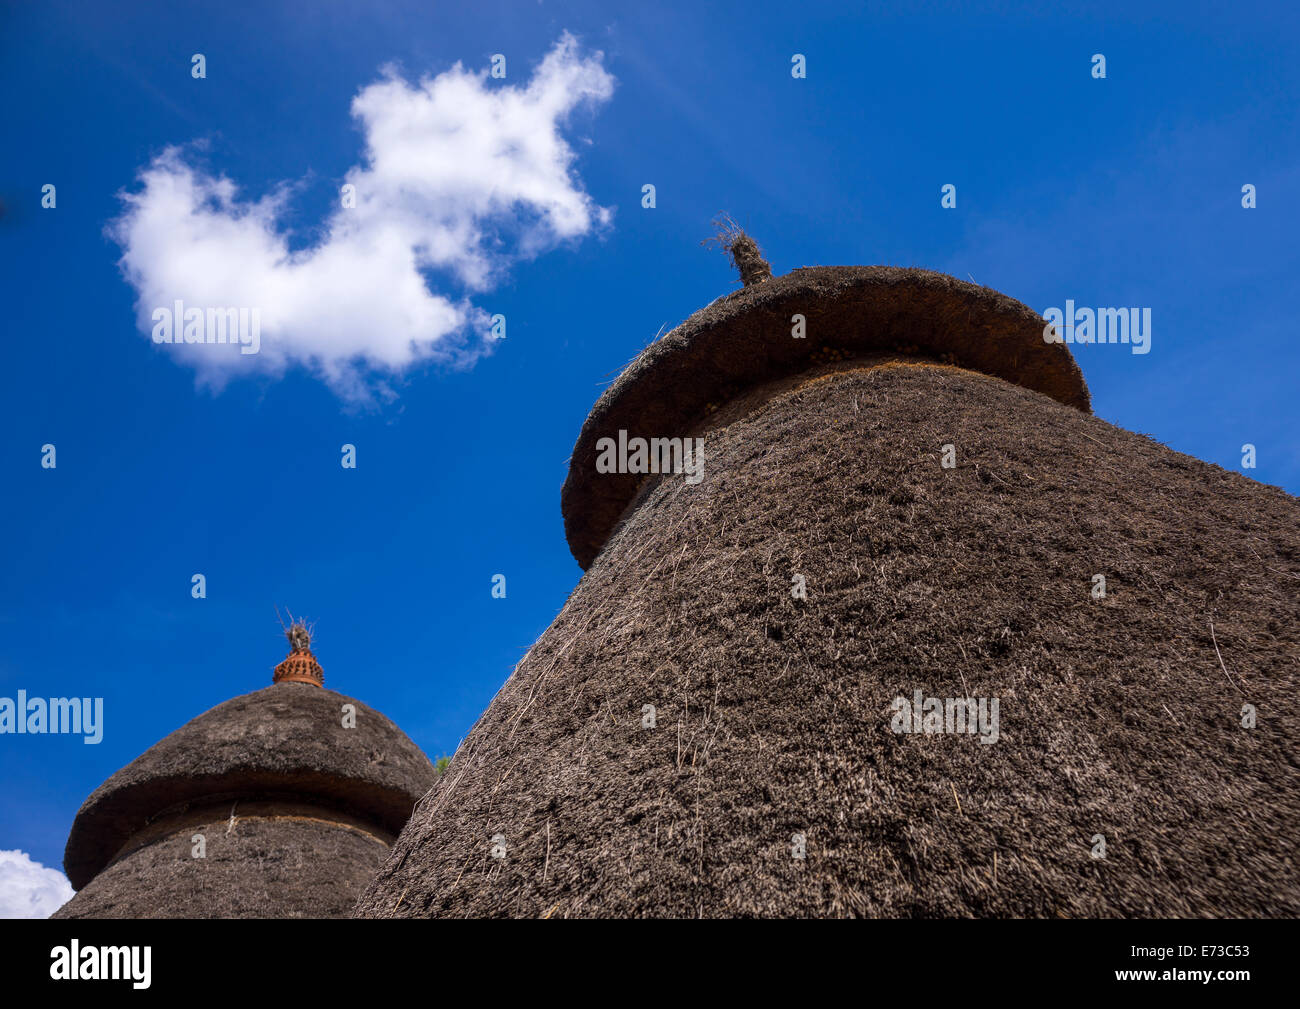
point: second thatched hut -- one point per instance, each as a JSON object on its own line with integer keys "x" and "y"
{"x": 281, "y": 803}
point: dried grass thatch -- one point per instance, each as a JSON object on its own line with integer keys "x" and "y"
{"x": 744, "y": 340}
{"x": 745, "y": 254}
{"x": 773, "y": 714}
{"x": 262, "y": 867}
{"x": 284, "y": 747}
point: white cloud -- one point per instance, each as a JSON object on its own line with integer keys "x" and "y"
{"x": 461, "y": 173}
{"x": 28, "y": 889}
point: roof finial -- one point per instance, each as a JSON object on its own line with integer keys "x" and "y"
{"x": 745, "y": 254}
{"x": 299, "y": 637}
{"x": 300, "y": 666}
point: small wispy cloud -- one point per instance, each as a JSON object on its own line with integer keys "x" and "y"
{"x": 29, "y": 889}
{"x": 460, "y": 174}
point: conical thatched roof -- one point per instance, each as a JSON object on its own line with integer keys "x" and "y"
{"x": 1120, "y": 717}
{"x": 296, "y": 809}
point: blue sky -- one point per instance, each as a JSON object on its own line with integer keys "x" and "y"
{"x": 1123, "y": 191}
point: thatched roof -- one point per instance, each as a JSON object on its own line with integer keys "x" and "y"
{"x": 744, "y": 339}
{"x": 284, "y": 740}
{"x": 256, "y": 866}
{"x": 1119, "y": 716}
